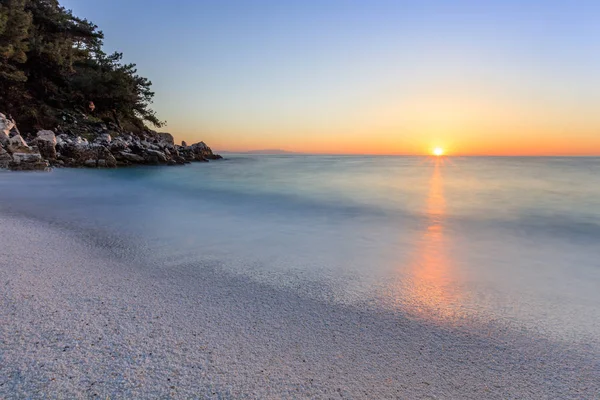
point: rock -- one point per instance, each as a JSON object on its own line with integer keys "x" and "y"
{"x": 155, "y": 157}
{"x": 47, "y": 150}
{"x": 19, "y": 158}
{"x": 5, "y": 158}
{"x": 183, "y": 143}
{"x": 30, "y": 166}
{"x": 80, "y": 141}
{"x": 165, "y": 137}
{"x": 133, "y": 158}
{"x": 200, "y": 152}
{"x": 62, "y": 138}
{"x": 16, "y": 144}
{"x": 25, "y": 158}
{"x": 47, "y": 136}
{"x": 147, "y": 145}
{"x": 103, "y": 138}
{"x": 46, "y": 143}
{"x": 8, "y": 128}
{"x": 111, "y": 161}
{"x": 6, "y": 125}
{"x": 107, "y": 147}
{"x": 118, "y": 145}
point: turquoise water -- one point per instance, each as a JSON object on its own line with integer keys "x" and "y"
{"x": 455, "y": 241}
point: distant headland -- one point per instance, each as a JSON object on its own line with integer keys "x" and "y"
{"x": 263, "y": 151}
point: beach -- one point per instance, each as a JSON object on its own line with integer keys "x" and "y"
{"x": 94, "y": 303}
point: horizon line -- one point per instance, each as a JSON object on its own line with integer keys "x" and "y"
{"x": 299, "y": 153}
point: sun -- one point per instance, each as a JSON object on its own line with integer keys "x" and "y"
{"x": 438, "y": 151}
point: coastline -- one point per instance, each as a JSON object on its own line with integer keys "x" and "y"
{"x": 82, "y": 142}
{"x": 86, "y": 314}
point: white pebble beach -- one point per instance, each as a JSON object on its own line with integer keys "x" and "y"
{"x": 81, "y": 319}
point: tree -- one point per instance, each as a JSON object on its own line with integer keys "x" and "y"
{"x": 52, "y": 61}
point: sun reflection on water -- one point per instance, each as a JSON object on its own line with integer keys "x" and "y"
{"x": 429, "y": 288}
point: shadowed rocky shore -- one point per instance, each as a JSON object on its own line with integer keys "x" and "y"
{"x": 85, "y": 142}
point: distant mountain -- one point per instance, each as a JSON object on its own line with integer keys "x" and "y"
{"x": 264, "y": 151}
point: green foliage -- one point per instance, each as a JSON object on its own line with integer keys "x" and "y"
{"x": 51, "y": 61}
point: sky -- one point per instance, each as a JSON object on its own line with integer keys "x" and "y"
{"x": 367, "y": 77}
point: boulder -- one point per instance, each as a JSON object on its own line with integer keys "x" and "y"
{"x": 47, "y": 136}
{"x": 7, "y": 127}
{"x": 62, "y": 138}
{"x": 165, "y": 137}
{"x": 78, "y": 141}
{"x": 147, "y": 145}
{"x": 183, "y": 143}
{"x": 17, "y": 144}
{"x": 46, "y": 143}
{"x": 27, "y": 159}
{"x": 132, "y": 158}
{"x": 30, "y": 166}
{"x": 111, "y": 161}
{"x": 5, "y": 158}
{"x": 118, "y": 145}
{"x": 155, "y": 157}
{"x": 201, "y": 152}
{"x": 103, "y": 138}
{"x": 31, "y": 157}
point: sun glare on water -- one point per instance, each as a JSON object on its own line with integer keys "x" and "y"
{"x": 438, "y": 151}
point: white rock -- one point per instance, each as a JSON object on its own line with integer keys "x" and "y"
{"x": 26, "y": 157}
{"x": 62, "y": 138}
{"x": 47, "y": 136}
{"x": 80, "y": 141}
{"x": 5, "y": 127}
{"x": 104, "y": 138}
{"x": 17, "y": 142}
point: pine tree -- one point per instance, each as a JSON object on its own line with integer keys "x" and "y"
{"x": 52, "y": 61}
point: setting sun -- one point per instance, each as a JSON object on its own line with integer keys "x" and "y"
{"x": 438, "y": 151}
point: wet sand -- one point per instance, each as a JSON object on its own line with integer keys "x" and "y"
{"x": 84, "y": 315}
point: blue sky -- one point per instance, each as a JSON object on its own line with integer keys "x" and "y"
{"x": 342, "y": 74}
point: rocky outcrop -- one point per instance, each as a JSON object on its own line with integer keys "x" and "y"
{"x": 198, "y": 152}
{"x": 23, "y": 156}
{"x": 93, "y": 145}
{"x": 8, "y": 128}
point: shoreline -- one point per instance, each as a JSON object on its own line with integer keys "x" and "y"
{"x": 93, "y": 145}
{"x": 79, "y": 317}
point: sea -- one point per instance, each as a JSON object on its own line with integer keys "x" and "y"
{"x": 455, "y": 241}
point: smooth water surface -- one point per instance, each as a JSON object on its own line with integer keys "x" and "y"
{"x": 511, "y": 241}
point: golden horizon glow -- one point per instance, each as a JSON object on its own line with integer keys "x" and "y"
{"x": 469, "y": 126}
{"x": 438, "y": 151}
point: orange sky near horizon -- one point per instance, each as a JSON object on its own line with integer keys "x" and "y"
{"x": 463, "y": 118}
{"x": 414, "y": 137}
{"x": 518, "y": 147}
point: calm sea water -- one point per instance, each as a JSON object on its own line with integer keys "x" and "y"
{"x": 513, "y": 241}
